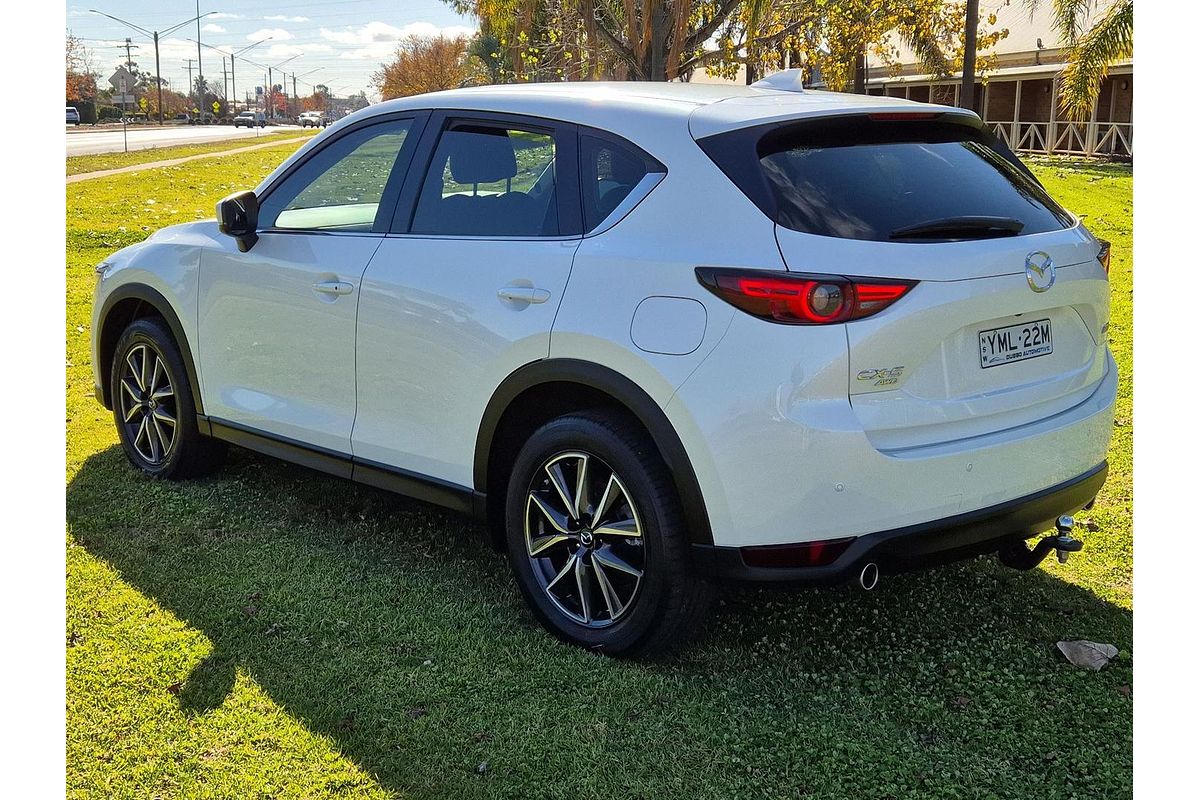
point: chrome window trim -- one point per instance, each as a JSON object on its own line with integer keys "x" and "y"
{"x": 636, "y": 195}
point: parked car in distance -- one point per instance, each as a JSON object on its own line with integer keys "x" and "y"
{"x": 250, "y": 119}
{"x": 183, "y": 118}
{"x": 655, "y": 335}
{"x": 72, "y": 115}
{"x": 313, "y": 119}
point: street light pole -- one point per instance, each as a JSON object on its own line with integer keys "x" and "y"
{"x": 233, "y": 62}
{"x": 199, "y": 63}
{"x": 154, "y": 35}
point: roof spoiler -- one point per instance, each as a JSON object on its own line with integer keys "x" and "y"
{"x": 788, "y": 80}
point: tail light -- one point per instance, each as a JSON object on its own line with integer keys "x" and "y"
{"x": 797, "y": 299}
{"x": 1105, "y": 254}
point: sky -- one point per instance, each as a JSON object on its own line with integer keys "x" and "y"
{"x": 335, "y": 42}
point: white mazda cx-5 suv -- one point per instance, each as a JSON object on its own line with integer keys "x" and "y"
{"x": 654, "y": 335}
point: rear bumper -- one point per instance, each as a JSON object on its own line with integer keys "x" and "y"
{"x": 911, "y": 547}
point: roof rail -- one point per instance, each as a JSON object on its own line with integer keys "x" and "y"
{"x": 788, "y": 80}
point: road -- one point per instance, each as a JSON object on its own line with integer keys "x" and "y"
{"x": 83, "y": 141}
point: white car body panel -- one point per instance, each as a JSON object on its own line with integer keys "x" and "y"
{"x": 279, "y": 355}
{"x": 785, "y": 444}
{"x": 435, "y": 339}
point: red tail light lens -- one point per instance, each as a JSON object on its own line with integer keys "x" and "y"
{"x": 1105, "y": 255}
{"x": 795, "y": 299}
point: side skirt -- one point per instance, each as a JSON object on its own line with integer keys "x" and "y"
{"x": 369, "y": 473}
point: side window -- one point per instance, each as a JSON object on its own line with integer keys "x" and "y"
{"x": 339, "y": 188}
{"x": 610, "y": 172}
{"x": 490, "y": 180}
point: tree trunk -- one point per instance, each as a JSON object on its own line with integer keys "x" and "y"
{"x": 660, "y": 30}
{"x": 860, "y": 73}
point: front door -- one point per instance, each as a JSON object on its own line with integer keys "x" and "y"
{"x": 277, "y": 323}
{"x": 464, "y": 291}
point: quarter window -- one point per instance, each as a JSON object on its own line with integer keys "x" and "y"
{"x": 610, "y": 172}
{"x": 341, "y": 187}
{"x": 490, "y": 180}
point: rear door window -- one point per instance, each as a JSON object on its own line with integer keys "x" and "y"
{"x": 897, "y": 181}
{"x": 490, "y": 180}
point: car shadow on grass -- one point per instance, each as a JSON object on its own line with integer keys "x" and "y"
{"x": 391, "y": 628}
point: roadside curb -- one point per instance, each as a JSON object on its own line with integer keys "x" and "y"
{"x": 104, "y": 173}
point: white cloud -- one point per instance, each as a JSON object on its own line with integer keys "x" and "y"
{"x": 377, "y": 40}
{"x": 276, "y": 34}
{"x": 277, "y": 51}
{"x": 285, "y": 18}
{"x": 210, "y": 28}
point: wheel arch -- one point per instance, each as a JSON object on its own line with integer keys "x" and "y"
{"x": 125, "y": 304}
{"x": 546, "y": 389}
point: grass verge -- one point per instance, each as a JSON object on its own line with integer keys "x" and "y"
{"x": 270, "y": 632}
{"x": 77, "y": 165}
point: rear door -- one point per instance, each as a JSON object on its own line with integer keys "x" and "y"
{"x": 1007, "y": 322}
{"x": 465, "y": 288}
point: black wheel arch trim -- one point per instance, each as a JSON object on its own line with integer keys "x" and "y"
{"x": 155, "y": 299}
{"x": 624, "y": 391}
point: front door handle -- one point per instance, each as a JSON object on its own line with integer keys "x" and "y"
{"x": 523, "y": 294}
{"x": 333, "y": 287}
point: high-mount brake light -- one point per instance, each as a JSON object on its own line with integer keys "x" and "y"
{"x": 901, "y": 116}
{"x": 1105, "y": 255}
{"x": 799, "y": 299}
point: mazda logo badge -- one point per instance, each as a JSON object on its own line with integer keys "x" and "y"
{"x": 1039, "y": 270}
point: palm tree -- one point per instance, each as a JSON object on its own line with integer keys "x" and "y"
{"x": 1091, "y": 52}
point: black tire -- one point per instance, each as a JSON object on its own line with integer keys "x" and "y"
{"x": 145, "y": 347}
{"x": 667, "y": 603}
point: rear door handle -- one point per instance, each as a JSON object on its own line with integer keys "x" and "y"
{"x": 333, "y": 287}
{"x": 523, "y": 294}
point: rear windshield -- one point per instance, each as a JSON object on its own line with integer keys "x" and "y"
{"x": 887, "y": 181}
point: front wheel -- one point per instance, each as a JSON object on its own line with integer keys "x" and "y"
{"x": 597, "y": 541}
{"x": 153, "y": 406}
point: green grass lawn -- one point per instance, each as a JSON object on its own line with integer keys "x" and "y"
{"x": 270, "y": 632}
{"x": 102, "y": 161}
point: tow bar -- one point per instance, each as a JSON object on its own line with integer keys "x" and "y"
{"x": 1019, "y": 556}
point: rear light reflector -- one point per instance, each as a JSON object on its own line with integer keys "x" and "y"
{"x": 797, "y": 299}
{"x": 803, "y": 554}
{"x": 1105, "y": 255}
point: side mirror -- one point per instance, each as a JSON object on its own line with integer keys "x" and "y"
{"x": 237, "y": 216}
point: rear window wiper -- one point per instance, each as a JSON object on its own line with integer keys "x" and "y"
{"x": 960, "y": 228}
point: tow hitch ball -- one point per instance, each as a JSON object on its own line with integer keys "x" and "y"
{"x": 1019, "y": 556}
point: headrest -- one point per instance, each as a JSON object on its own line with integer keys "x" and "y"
{"x": 480, "y": 155}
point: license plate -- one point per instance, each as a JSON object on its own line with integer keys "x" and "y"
{"x": 1015, "y": 343}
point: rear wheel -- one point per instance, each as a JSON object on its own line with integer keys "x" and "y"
{"x": 597, "y": 541}
{"x": 153, "y": 406}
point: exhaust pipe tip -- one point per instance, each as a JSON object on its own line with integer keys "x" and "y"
{"x": 868, "y": 579}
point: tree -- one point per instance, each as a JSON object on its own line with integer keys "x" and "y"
{"x": 1090, "y": 52}
{"x": 423, "y": 64}
{"x": 670, "y": 39}
{"x": 81, "y": 76}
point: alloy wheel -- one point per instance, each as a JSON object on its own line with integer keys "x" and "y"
{"x": 583, "y": 537}
{"x": 147, "y": 404}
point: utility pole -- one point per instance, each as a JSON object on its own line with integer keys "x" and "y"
{"x": 128, "y": 57}
{"x": 295, "y": 96}
{"x": 191, "y": 85}
{"x": 225, "y": 76}
{"x": 966, "y": 95}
